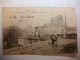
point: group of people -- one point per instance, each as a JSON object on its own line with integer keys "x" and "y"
{"x": 54, "y": 39}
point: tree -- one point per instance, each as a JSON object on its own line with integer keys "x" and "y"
{"x": 10, "y": 35}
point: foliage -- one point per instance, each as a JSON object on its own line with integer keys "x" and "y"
{"x": 11, "y": 34}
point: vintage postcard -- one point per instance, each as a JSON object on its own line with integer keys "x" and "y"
{"x": 39, "y": 30}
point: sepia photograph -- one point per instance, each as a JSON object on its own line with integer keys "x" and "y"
{"x": 39, "y": 30}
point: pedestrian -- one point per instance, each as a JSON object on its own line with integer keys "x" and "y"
{"x": 52, "y": 40}
{"x": 55, "y": 40}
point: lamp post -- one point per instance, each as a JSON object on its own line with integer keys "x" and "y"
{"x": 65, "y": 26}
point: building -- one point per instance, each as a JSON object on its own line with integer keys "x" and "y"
{"x": 55, "y": 26}
{"x": 71, "y": 32}
{"x": 29, "y": 31}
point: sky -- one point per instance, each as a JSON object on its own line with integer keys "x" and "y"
{"x": 36, "y": 16}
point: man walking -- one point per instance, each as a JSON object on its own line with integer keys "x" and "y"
{"x": 52, "y": 40}
{"x": 55, "y": 40}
